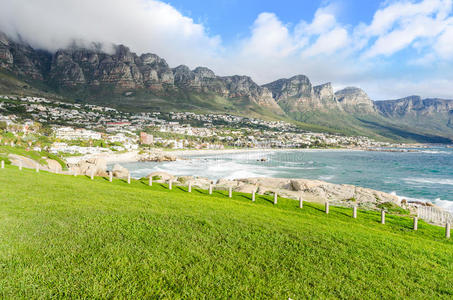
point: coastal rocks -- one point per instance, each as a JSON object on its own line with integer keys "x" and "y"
{"x": 119, "y": 171}
{"x": 315, "y": 191}
{"x": 158, "y": 157}
{"x": 95, "y": 166}
{"x": 161, "y": 176}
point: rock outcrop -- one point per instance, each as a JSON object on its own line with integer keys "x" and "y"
{"x": 353, "y": 99}
{"x": 415, "y": 106}
{"x": 310, "y": 190}
{"x": 119, "y": 171}
{"x": 95, "y": 166}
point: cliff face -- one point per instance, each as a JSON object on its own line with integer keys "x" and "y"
{"x": 355, "y": 100}
{"x": 415, "y": 106}
{"x": 124, "y": 70}
{"x": 297, "y": 94}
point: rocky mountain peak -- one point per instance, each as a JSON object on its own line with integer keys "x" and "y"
{"x": 204, "y": 72}
{"x": 354, "y": 99}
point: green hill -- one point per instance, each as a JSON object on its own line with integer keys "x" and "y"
{"x": 69, "y": 237}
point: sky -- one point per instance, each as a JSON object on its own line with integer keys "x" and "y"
{"x": 389, "y": 48}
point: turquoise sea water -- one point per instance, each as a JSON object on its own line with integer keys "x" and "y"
{"x": 424, "y": 175}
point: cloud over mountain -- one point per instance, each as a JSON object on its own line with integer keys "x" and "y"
{"x": 406, "y": 41}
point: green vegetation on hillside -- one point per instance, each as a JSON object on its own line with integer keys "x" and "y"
{"x": 62, "y": 236}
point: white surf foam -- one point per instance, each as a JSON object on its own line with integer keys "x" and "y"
{"x": 441, "y": 181}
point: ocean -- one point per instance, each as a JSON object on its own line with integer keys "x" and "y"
{"x": 425, "y": 175}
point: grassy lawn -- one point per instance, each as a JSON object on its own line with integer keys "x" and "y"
{"x": 62, "y": 236}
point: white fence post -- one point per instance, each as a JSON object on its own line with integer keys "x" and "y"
{"x": 3, "y": 164}
{"x": 447, "y": 230}
{"x": 37, "y": 168}
{"x": 275, "y": 198}
{"x": 382, "y": 216}
{"x": 92, "y": 175}
{"x": 210, "y": 189}
{"x": 354, "y": 212}
{"x": 327, "y": 207}
{"x": 129, "y": 178}
{"x": 253, "y": 196}
{"x": 150, "y": 181}
{"x": 170, "y": 184}
{"x": 230, "y": 192}
{"x": 189, "y": 189}
{"x": 301, "y": 202}
{"x": 20, "y": 165}
{"x": 415, "y": 223}
{"x": 110, "y": 176}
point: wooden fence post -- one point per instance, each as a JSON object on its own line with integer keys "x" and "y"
{"x": 382, "y": 216}
{"x": 301, "y": 202}
{"x": 415, "y": 223}
{"x": 354, "y": 212}
{"x": 275, "y": 198}
{"x": 327, "y": 207}
{"x": 230, "y": 192}
{"x": 447, "y": 230}
{"x": 189, "y": 189}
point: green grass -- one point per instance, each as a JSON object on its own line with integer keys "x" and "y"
{"x": 62, "y": 236}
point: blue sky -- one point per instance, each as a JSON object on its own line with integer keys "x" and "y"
{"x": 389, "y": 48}
{"x": 232, "y": 18}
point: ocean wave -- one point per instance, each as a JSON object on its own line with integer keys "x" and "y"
{"x": 326, "y": 177}
{"x": 430, "y": 181}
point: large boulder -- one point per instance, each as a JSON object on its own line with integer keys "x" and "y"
{"x": 54, "y": 166}
{"x": 161, "y": 176}
{"x": 120, "y": 171}
{"x": 96, "y": 166}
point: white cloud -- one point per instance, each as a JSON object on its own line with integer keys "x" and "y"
{"x": 399, "y": 25}
{"x": 329, "y": 43}
{"x": 269, "y": 38}
{"x": 144, "y": 25}
{"x": 322, "y": 48}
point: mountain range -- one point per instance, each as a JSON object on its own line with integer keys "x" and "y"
{"x": 146, "y": 82}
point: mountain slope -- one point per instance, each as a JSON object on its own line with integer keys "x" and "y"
{"x": 132, "y": 82}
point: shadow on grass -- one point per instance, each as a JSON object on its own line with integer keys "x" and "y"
{"x": 245, "y": 197}
{"x": 265, "y": 198}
